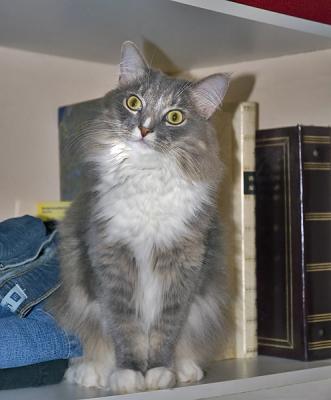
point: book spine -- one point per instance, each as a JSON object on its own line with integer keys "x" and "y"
{"x": 279, "y": 238}
{"x": 245, "y": 128}
{"x": 317, "y": 238}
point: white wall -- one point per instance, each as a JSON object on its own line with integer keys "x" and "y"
{"x": 32, "y": 87}
{"x": 290, "y": 90}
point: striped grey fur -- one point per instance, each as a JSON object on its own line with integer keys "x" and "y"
{"x": 144, "y": 279}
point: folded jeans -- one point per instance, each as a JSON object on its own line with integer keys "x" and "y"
{"x": 29, "y": 273}
{"x": 29, "y": 270}
{"x": 34, "y": 339}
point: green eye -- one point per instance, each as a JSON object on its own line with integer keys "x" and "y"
{"x": 175, "y": 117}
{"x": 134, "y": 103}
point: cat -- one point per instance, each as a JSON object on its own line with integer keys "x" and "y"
{"x": 141, "y": 249}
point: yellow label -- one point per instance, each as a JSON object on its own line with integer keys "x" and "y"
{"x": 52, "y": 210}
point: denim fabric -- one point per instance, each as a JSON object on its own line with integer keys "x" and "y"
{"x": 20, "y": 240}
{"x": 23, "y": 286}
{"x": 28, "y": 264}
{"x": 34, "y": 339}
{"x": 29, "y": 272}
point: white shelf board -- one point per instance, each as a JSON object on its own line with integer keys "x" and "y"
{"x": 317, "y": 390}
{"x": 174, "y": 35}
{"x": 224, "y": 378}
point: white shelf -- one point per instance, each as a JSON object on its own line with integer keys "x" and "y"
{"x": 199, "y": 33}
{"x": 225, "y": 379}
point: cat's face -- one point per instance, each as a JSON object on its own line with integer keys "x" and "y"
{"x": 151, "y": 112}
{"x": 156, "y": 112}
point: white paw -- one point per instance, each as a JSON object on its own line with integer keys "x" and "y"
{"x": 88, "y": 374}
{"x": 159, "y": 378}
{"x": 126, "y": 381}
{"x": 188, "y": 371}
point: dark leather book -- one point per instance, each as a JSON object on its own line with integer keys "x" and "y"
{"x": 293, "y": 237}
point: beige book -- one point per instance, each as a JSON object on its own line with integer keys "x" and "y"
{"x": 244, "y": 216}
{"x": 238, "y": 211}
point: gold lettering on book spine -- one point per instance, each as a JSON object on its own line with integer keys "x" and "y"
{"x": 318, "y": 216}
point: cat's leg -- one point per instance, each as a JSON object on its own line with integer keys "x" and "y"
{"x": 189, "y": 351}
{"x": 125, "y": 380}
{"x": 131, "y": 353}
{"x": 162, "y": 343}
{"x": 76, "y": 312}
{"x": 161, "y": 353}
{"x": 188, "y": 369}
{"x": 130, "y": 342}
{"x": 95, "y": 367}
{"x": 202, "y": 336}
{"x": 82, "y": 315}
{"x": 179, "y": 271}
{"x": 160, "y": 373}
{"x": 160, "y": 378}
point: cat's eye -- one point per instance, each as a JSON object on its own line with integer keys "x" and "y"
{"x": 175, "y": 117}
{"x": 134, "y": 103}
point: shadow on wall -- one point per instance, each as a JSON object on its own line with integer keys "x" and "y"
{"x": 157, "y": 59}
{"x": 239, "y": 91}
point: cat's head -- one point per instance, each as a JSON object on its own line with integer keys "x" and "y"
{"x": 152, "y": 113}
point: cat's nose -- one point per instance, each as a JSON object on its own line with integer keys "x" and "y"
{"x": 144, "y": 131}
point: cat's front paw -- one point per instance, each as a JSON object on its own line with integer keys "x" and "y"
{"x": 159, "y": 378}
{"x": 188, "y": 371}
{"x": 127, "y": 381}
{"x": 88, "y": 374}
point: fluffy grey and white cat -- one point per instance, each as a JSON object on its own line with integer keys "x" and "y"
{"x": 144, "y": 282}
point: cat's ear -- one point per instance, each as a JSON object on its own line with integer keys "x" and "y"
{"x": 132, "y": 65}
{"x": 209, "y": 93}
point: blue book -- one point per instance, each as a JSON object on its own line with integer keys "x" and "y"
{"x": 72, "y": 119}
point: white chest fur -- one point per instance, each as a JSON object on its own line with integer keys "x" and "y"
{"x": 148, "y": 203}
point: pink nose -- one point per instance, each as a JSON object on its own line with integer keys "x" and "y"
{"x": 144, "y": 131}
